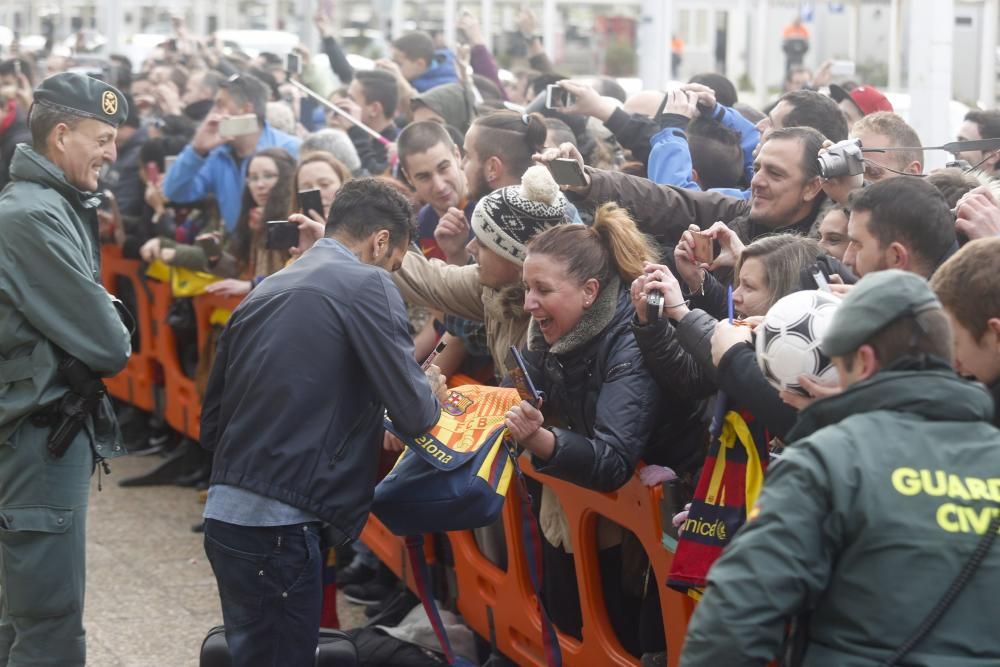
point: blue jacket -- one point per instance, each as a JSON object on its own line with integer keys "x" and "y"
{"x": 670, "y": 157}
{"x": 438, "y": 73}
{"x": 192, "y": 177}
{"x": 306, "y": 368}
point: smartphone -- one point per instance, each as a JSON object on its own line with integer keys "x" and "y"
{"x": 670, "y": 504}
{"x": 310, "y": 200}
{"x": 211, "y": 246}
{"x": 522, "y": 381}
{"x": 567, "y": 172}
{"x": 282, "y": 235}
{"x": 704, "y": 249}
{"x": 168, "y": 162}
{"x": 293, "y": 63}
{"x": 842, "y": 69}
{"x": 557, "y": 97}
{"x": 152, "y": 173}
{"x": 236, "y": 126}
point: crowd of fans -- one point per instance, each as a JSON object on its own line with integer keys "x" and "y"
{"x": 501, "y": 255}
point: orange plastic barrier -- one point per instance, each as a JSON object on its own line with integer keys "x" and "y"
{"x": 135, "y": 383}
{"x": 483, "y": 588}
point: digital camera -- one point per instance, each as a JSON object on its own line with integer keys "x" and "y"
{"x": 844, "y": 158}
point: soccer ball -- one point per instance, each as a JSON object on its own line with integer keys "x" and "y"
{"x": 788, "y": 339}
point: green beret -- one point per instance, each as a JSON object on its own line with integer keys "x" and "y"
{"x": 82, "y": 95}
{"x": 878, "y": 300}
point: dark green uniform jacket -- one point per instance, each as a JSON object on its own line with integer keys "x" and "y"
{"x": 51, "y": 296}
{"x": 866, "y": 520}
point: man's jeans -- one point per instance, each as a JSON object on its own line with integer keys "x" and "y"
{"x": 270, "y": 584}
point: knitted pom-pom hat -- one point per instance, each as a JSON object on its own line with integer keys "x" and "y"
{"x": 506, "y": 219}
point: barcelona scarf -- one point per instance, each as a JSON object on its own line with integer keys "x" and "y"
{"x": 730, "y": 483}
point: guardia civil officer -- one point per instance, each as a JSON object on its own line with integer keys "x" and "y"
{"x": 873, "y": 511}
{"x": 59, "y": 333}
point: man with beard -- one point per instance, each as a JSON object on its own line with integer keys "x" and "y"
{"x": 899, "y": 223}
{"x": 786, "y": 193}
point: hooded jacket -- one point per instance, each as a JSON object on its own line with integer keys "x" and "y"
{"x": 453, "y": 102}
{"x": 865, "y": 521}
{"x": 439, "y": 72}
{"x": 51, "y": 297}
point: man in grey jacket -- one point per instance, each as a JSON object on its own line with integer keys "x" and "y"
{"x": 306, "y": 368}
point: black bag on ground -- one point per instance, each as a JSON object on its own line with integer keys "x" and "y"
{"x": 335, "y": 649}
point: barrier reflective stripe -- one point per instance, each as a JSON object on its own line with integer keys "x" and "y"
{"x": 483, "y": 588}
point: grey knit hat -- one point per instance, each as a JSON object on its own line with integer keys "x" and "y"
{"x": 506, "y": 219}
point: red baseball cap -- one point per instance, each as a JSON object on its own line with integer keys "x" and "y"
{"x": 867, "y": 98}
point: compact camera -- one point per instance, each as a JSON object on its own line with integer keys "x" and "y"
{"x": 654, "y": 306}
{"x": 844, "y": 158}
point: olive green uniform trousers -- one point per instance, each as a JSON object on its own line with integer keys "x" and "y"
{"x": 43, "y": 513}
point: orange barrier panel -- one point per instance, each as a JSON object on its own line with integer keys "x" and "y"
{"x": 135, "y": 383}
{"x": 485, "y": 588}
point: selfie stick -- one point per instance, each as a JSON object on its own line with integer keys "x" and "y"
{"x": 340, "y": 112}
{"x": 953, "y": 147}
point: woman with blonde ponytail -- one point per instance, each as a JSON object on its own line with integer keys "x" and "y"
{"x": 602, "y": 407}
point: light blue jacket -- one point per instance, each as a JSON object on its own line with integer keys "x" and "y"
{"x": 192, "y": 177}
{"x": 670, "y": 157}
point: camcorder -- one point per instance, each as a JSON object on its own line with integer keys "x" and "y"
{"x": 844, "y": 158}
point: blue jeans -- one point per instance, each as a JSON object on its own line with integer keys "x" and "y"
{"x": 270, "y": 584}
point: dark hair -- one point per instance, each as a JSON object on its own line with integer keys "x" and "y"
{"x": 487, "y": 88}
{"x": 926, "y": 333}
{"x": 612, "y": 245}
{"x": 909, "y": 210}
{"x": 512, "y": 137}
{"x": 811, "y": 109}
{"x": 952, "y": 183}
{"x": 811, "y": 141}
{"x": 716, "y": 154}
{"x": 608, "y": 87}
{"x": 280, "y": 203}
{"x": 248, "y": 89}
{"x": 379, "y": 86}
{"x": 7, "y": 68}
{"x": 154, "y": 150}
{"x": 542, "y": 81}
{"x": 783, "y": 257}
{"x": 967, "y": 285}
{"x": 725, "y": 91}
{"x": 43, "y": 119}
{"x": 563, "y": 132}
{"x": 367, "y": 205}
{"x": 752, "y": 114}
{"x": 212, "y": 80}
{"x": 988, "y": 122}
{"x": 420, "y": 138}
{"x": 416, "y": 46}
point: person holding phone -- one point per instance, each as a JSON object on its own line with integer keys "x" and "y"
{"x": 602, "y": 409}
{"x": 214, "y": 163}
{"x": 269, "y": 195}
{"x": 324, "y": 173}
